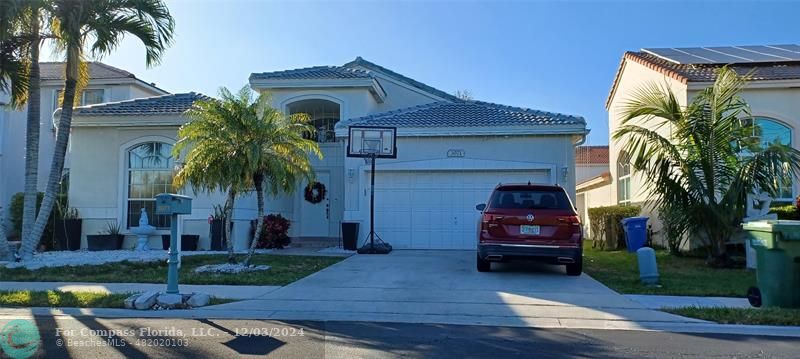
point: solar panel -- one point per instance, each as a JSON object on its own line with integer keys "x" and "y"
{"x": 728, "y": 54}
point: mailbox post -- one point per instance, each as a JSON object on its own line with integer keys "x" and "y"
{"x": 173, "y": 205}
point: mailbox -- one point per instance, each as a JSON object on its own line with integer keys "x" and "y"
{"x": 170, "y": 204}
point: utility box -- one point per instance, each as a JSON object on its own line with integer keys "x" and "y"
{"x": 170, "y": 203}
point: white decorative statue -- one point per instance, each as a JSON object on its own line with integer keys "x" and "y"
{"x": 143, "y": 232}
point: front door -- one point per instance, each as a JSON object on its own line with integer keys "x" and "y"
{"x": 315, "y": 217}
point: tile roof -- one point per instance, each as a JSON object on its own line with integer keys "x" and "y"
{"x": 360, "y": 62}
{"x": 316, "y": 72}
{"x": 97, "y": 70}
{"x": 465, "y": 114}
{"x": 685, "y": 73}
{"x": 591, "y": 155}
{"x": 173, "y": 104}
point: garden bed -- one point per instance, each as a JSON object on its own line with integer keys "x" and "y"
{"x": 679, "y": 275}
{"x": 284, "y": 270}
{"x": 59, "y": 299}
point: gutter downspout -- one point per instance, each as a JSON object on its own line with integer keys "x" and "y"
{"x": 582, "y": 139}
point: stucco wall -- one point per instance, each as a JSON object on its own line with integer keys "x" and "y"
{"x": 599, "y": 196}
{"x": 586, "y": 171}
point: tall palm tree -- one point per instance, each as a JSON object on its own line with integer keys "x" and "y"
{"x": 96, "y": 28}
{"x": 20, "y": 42}
{"x": 700, "y": 161}
{"x": 213, "y": 160}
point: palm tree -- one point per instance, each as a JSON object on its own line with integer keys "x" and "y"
{"x": 704, "y": 168}
{"x": 212, "y": 150}
{"x": 94, "y": 27}
{"x": 20, "y": 41}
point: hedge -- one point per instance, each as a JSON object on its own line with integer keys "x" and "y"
{"x": 787, "y": 212}
{"x": 606, "y": 226}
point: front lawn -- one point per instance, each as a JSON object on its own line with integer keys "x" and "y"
{"x": 761, "y": 316}
{"x": 285, "y": 269}
{"x": 59, "y": 299}
{"x": 679, "y": 275}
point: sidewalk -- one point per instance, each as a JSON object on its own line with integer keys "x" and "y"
{"x": 220, "y": 291}
{"x": 670, "y": 301}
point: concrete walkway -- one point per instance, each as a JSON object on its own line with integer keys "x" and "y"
{"x": 221, "y": 291}
{"x": 670, "y": 301}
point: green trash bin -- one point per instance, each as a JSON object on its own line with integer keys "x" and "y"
{"x": 777, "y": 245}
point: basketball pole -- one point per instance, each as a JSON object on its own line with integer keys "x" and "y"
{"x": 372, "y": 205}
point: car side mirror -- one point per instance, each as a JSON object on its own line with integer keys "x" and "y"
{"x": 481, "y": 207}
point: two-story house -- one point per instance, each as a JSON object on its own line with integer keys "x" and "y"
{"x": 106, "y": 84}
{"x": 451, "y": 153}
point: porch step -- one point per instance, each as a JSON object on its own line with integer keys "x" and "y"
{"x": 315, "y": 242}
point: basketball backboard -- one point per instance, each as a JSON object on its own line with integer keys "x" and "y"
{"x": 368, "y": 141}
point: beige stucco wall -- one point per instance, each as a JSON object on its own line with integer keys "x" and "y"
{"x": 599, "y": 196}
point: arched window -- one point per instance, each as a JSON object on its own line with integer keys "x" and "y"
{"x": 769, "y": 132}
{"x": 149, "y": 172}
{"x": 324, "y": 116}
{"x": 624, "y": 178}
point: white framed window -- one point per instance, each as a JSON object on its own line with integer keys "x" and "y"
{"x": 769, "y": 131}
{"x": 624, "y": 178}
{"x": 88, "y": 97}
{"x": 149, "y": 172}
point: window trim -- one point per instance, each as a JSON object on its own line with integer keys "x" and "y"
{"x": 82, "y": 101}
{"x": 624, "y": 179}
{"x": 128, "y": 171}
{"x": 773, "y": 119}
{"x": 122, "y": 184}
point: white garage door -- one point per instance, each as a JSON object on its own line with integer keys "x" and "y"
{"x": 436, "y": 209}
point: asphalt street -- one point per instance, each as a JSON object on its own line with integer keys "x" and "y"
{"x": 88, "y": 337}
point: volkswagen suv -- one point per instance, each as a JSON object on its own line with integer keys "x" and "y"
{"x": 530, "y": 221}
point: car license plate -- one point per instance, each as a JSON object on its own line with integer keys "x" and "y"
{"x": 534, "y": 230}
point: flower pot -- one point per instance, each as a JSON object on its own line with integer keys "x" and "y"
{"x": 68, "y": 234}
{"x": 219, "y": 239}
{"x": 188, "y": 242}
{"x": 104, "y": 242}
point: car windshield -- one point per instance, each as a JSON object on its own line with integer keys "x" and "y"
{"x": 530, "y": 199}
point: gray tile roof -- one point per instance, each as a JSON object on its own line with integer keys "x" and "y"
{"x": 360, "y": 62}
{"x": 97, "y": 70}
{"x": 173, "y": 104}
{"x": 466, "y": 114}
{"x": 310, "y": 73}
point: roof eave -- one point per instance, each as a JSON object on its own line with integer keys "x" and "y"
{"x": 653, "y": 66}
{"x": 372, "y": 85}
{"x": 577, "y": 129}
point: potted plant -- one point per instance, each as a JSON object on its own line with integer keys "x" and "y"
{"x": 110, "y": 239}
{"x": 216, "y": 221}
{"x": 68, "y": 230}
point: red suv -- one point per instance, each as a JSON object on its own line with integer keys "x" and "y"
{"x": 530, "y": 221}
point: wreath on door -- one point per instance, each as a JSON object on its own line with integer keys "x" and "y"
{"x": 315, "y": 192}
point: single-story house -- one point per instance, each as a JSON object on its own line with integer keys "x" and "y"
{"x": 591, "y": 177}
{"x": 773, "y": 94}
{"x": 451, "y": 153}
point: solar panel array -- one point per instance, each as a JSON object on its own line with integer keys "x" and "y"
{"x": 728, "y": 54}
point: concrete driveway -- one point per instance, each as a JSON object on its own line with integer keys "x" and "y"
{"x": 444, "y": 287}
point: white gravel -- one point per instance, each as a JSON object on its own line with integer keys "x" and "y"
{"x": 78, "y": 258}
{"x": 230, "y": 268}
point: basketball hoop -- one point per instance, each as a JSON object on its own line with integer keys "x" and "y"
{"x": 372, "y": 142}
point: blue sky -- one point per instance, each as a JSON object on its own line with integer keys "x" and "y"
{"x": 550, "y": 55}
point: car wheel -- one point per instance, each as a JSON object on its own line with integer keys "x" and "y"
{"x": 484, "y": 265}
{"x": 575, "y": 269}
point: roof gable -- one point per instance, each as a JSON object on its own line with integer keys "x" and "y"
{"x": 360, "y": 62}
{"x": 316, "y": 72}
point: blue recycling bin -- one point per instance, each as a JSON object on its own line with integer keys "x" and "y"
{"x": 635, "y": 232}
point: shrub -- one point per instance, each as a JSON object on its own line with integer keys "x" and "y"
{"x": 17, "y": 204}
{"x": 275, "y": 232}
{"x": 787, "y": 212}
{"x": 606, "y": 226}
{"x": 674, "y": 230}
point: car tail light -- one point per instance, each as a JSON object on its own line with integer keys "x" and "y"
{"x": 575, "y": 223}
{"x": 489, "y": 221}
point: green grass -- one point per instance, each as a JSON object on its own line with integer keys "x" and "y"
{"x": 679, "y": 275}
{"x": 55, "y": 298}
{"x": 761, "y": 316}
{"x": 285, "y": 269}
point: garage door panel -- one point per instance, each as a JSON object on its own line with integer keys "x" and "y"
{"x": 436, "y": 209}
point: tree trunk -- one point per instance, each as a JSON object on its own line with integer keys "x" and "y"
{"x": 57, "y": 166}
{"x": 259, "y": 183}
{"x": 227, "y": 224}
{"x": 32, "y": 134}
{"x": 5, "y": 253}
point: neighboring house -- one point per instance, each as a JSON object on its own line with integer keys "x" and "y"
{"x": 106, "y": 83}
{"x": 773, "y": 95}
{"x": 451, "y": 154}
{"x": 592, "y": 178}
